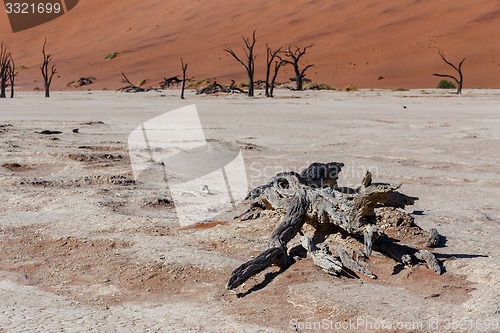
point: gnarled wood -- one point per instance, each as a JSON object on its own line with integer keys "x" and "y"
{"x": 313, "y": 197}
{"x": 292, "y": 223}
{"x": 272, "y": 256}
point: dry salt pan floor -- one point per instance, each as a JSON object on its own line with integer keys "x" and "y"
{"x": 85, "y": 248}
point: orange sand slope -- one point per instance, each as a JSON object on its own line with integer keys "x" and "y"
{"x": 354, "y": 41}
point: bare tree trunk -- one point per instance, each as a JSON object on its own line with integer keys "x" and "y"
{"x": 4, "y": 69}
{"x": 12, "y": 76}
{"x": 46, "y": 73}
{"x": 460, "y": 80}
{"x": 250, "y": 64}
{"x": 271, "y": 55}
{"x": 184, "y": 69}
{"x": 277, "y": 66}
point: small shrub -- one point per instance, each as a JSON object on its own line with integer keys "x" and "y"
{"x": 256, "y": 85}
{"x": 444, "y": 84}
{"x": 400, "y": 89}
{"x": 201, "y": 83}
{"x": 350, "y": 87}
{"x": 242, "y": 84}
{"x": 380, "y": 77}
{"x": 318, "y": 86}
{"x": 111, "y": 56}
{"x": 479, "y": 87}
{"x": 83, "y": 81}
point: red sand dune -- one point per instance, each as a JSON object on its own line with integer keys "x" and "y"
{"x": 355, "y": 41}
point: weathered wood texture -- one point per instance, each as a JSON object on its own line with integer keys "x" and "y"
{"x": 353, "y": 265}
{"x": 322, "y": 257}
{"x": 313, "y": 197}
{"x": 430, "y": 260}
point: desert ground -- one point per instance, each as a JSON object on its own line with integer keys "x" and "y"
{"x": 85, "y": 248}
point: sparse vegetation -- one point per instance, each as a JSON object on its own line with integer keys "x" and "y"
{"x": 256, "y": 85}
{"x": 400, "y": 89}
{"x": 141, "y": 82}
{"x": 445, "y": 84}
{"x": 201, "y": 83}
{"x": 83, "y": 81}
{"x": 318, "y": 86}
{"x": 111, "y": 56}
{"x": 350, "y": 87}
{"x": 380, "y": 77}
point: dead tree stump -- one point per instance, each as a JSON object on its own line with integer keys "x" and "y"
{"x": 313, "y": 197}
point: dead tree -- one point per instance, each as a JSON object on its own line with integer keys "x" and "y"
{"x": 167, "y": 83}
{"x": 12, "y": 76}
{"x": 271, "y": 55}
{"x": 235, "y": 89}
{"x": 212, "y": 89}
{"x": 184, "y": 69}
{"x": 313, "y": 197}
{"x": 250, "y": 60}
{"x": 5, "y": 65}
{"x": 47, "y": 73}
{"x": 460, "y": 78}
{"x": 277, "y": 66}
{"x": 295, "y": 57}
{"x": 132, "y": 88}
